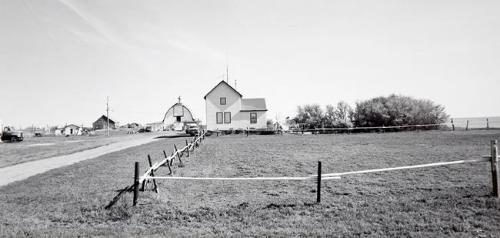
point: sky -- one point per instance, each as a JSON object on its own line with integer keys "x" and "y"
{"x": 60, "y": 59}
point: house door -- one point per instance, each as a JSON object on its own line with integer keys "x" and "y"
{"x": 178, "y": 119}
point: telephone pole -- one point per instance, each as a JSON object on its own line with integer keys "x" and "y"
{"x": 107, "y": 113}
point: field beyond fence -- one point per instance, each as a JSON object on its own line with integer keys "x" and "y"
{"x": 452, "y": 200}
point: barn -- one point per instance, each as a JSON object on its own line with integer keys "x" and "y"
{"x": 102, "y": 123}
{"x": 177, "y": 116}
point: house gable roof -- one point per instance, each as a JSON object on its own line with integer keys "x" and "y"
{"x": 105, "y": 118}
{"x": 253, "y": 104}
{"x": 222, "y": 82}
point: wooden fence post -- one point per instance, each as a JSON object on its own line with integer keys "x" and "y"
{"x": 487, "y": 124}
{"x": 153, "y": 174}
{"x": 452, "y": 125}
{"x": 467, "y": 126}
{"x": 136, "y": 183}
{"x": 318, "y": 189}
{"x": 494, "y": 168}
{"x": 178, "y": 155}
{"x": 187, "y": 148}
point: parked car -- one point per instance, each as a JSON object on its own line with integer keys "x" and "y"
{"x": 192, "y": 130}
{"x": 8, "y": 134}
{"x": 144, "y": 129}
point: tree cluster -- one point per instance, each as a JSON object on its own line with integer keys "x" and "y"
{"x": 313, "y": 116}
{"x": 394, "y": 110}
{"x": 397, "y": 110}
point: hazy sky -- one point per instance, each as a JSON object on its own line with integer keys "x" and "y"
{"x": 60, "y": 59}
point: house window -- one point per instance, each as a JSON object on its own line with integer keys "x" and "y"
{"x": 222, "y": 101}
{"x": 219, "y": 118}
{"x": 227, "y": 117}
{"x": 253, "y": 118}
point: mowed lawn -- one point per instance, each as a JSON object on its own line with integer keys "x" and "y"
{"x": 35, "y": 148}
{"x": 444, "y": 201}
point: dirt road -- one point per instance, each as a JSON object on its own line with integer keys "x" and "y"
{"x": 22, "y": 171}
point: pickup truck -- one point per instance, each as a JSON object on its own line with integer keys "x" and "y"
{"x": 192, "y": 130}
{"x": 8, "y": 134}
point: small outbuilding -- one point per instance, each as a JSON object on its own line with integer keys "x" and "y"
{"x": 71, "y": 130}
{"x": 177, "y": 116}
{"x": 102, "y": 123}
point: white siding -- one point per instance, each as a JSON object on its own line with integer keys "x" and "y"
{"x": 239, "y": 120}
{"x": 233, "y": 105}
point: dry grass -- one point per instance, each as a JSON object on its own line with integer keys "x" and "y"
{"x": 35, "y": 148}
{"x": 444, "y": 201}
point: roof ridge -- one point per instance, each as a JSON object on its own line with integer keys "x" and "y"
{"x": 205, "y": 97}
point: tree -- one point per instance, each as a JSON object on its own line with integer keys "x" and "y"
{"x": 342, "y": 112}
{"x": 397, "y": 110}
{"x": 311, "y": 115}
{"x": 330, "y": 116}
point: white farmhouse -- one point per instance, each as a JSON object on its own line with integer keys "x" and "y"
{"x": 227, "y": 109}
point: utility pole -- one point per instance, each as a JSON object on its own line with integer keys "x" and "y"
{"x": 107, "y": 113}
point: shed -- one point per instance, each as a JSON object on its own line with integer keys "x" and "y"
{"x": 71, "y": 129}
{"x": 102, "y": 123}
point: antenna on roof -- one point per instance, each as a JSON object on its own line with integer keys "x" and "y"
{"x": 227, "y": 73}
{"x": 235, "y": 84}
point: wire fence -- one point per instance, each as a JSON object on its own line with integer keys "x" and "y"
{"x": 149, "y": 176}
{"x": 474, "y": 123}
{"x": 166, "y": 162}
{"x": 303, "y": 129}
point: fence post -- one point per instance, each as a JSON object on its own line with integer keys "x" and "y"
{"x": 318, "y": 190}
{"x": 187, "y": 148}
{"x": 467, "y": 126}
{"x": 178, "y": 155}
{"x": 153, "y": 174}
{"x": 136, "y": 183}
{"x": 494, "y": 168}
{"x": 452, "y": 125}
{"x": 487, "y": 124}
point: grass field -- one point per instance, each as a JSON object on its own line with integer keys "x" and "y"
{"x": 443, "y": 201}
{"x": 35, "y": 148}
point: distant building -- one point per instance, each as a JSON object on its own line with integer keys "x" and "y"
{"x": 227, "y": 109}
{"x": 102, "y": 123}
{"x": 132, "y": 125}
{"x": 71, "y": 129}
{"x": 177, "y": 116}
{"x": 154, "y": 126}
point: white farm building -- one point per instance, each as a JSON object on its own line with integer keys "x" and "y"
{"x": 177, "y": 116}
{"x": 227, "y": 109}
